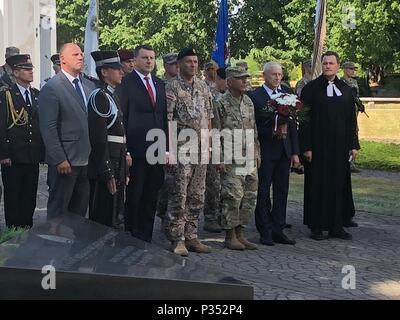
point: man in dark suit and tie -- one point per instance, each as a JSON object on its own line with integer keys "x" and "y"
{"x": 144, "y": 107}
{"x": 277, "y": 155}
{"x": 64, "y": 127}
{"x": 21, "y": 146}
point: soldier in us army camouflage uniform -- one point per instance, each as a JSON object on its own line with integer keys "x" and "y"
{"x": 239, "y": 182}
{"x": 350, "y": 69}
{"x": 191, "y": 107}
{"x": 213, "y": 184}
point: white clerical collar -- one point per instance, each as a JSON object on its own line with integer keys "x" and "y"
{"x": 332, "y": 87}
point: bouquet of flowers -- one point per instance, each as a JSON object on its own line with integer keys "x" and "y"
{"x": 280, "y": 109}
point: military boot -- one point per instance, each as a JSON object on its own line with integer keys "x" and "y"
{"x": 196, "y": 246}
{"x": 231, "y": 242}
{"x": 242, "y": 239}
{"x": 179, "y": 248}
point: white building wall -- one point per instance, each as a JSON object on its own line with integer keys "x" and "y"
{"x": 20, "y": 26}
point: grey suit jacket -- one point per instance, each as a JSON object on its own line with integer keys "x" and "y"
{"x": 63, "y": 121}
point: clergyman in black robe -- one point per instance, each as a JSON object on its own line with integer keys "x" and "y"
{"x": 328, "y": 141}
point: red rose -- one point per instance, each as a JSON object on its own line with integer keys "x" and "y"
{"x": 283, "y": 110}
{"x": 299, "y": 105}
{"x": 273, "y": 103}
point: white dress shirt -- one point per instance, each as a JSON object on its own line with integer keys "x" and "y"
{"x": 71, "y": 79}
{"x": 23, "y": 90}
{"x": 270, "y": 91}
{"x": 151, "y": 83}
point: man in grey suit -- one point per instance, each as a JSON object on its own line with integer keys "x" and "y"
{"x": 64, "y": 128}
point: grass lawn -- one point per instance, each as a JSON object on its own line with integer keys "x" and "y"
{"x": 7, "y": 234}
{"x": 379, "y": 156}
{"x": 375, "y": 195}
{"x": 383, "y": 124}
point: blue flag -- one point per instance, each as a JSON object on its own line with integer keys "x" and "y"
{"x": 221, "y": 52}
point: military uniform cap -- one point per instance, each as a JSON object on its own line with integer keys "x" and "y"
{"x": 107, "y": 59}
{"x": 125, "y": 54}
{"x": 11, "y": 51}
{"x": 186, "y": 52}
{"x": 349, "y": 65}
{"x": 55, "y": 58}
{"x": 170, "y": 58}
{"x": 221, "y": 72}
{"x": 210, "y": 65}
{"x": 22, "y": 61}
{"x": 242, "y": 64}
{"x": 236, "y": 72}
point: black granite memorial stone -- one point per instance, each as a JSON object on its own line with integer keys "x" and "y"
{"x": 92, "y": 261}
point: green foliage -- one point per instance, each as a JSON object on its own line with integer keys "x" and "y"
{"x": 379, "y": 156}
{"x": 261, "y": 30}
{"x": 10, "y": 233}
{"x": 167, "y": 25}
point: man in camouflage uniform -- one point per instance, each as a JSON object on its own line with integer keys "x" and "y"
{"x": 210, "y": 69}
{"x": 190, "y": 107}
{"x": 171, "y": 71}
{"x": 244, "y": 65}
{"x": 170, "y": 66}
{"x": 350, "y": 69}
{"x": 213, "y": 183}
{"x": 239, "y": 181}
{"x": 306, "y": 69}
{"x": 7, "y": 78}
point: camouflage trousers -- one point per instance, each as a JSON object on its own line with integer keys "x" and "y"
{"x": 186, "y": 190}
{"x": 212, "y": 203}
{"x": 238, "y": 197}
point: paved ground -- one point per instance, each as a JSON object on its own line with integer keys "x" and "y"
{"x": 310, "y": 269}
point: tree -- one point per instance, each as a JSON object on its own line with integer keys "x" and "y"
{"x": 167, "y": 25}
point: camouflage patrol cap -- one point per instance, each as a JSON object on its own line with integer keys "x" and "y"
{"x": 242, "y": 64}
{"x": 349, "y": 65}
{"x": 210, "y": 65}
{"x": 236, "y": 72}
{"x": 11, "y": 51}
{"x": 170, "y": 58}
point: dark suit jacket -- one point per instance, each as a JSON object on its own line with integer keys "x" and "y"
{"x": 140, "y": 116}
{"x": 22, "y": 144}
{"x": 273, "y": 148}
{"x": 64, "y": 122}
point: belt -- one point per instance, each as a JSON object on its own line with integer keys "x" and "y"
{"x": 116, "y": 139}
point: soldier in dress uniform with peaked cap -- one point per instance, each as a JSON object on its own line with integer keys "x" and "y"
{"x": 108, "y": 159}
{"x": 21, "y": 145}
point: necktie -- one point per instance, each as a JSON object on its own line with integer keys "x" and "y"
{"x": 27, "y": 99}
{"x": 150, "y": 91}
{"x": 78, "y": 89}
{"x": 274, "y": 92}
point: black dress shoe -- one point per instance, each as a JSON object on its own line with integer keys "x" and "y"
{"x": 283, "y": 239}
{"x": 267, "y": 241}
{"x": 341, "y": 235}
{"x": 351, "y": 224}
{"x": 317, "y": 235}
{"x": 287, "y": 226}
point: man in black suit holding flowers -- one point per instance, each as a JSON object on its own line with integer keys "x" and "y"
{"x": 279, "y": 151}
